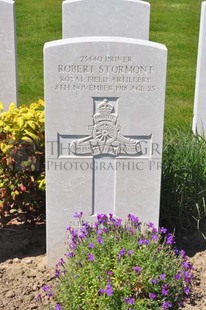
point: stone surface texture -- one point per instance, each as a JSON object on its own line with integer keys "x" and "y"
{"x": 104, "y": 127}
{"x": 120, "y": 18}
{"x": 8, "y": 67}
{"x": 199, "y": 119}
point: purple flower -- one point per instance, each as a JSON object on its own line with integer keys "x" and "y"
{"x": 129, "y": 301}
{"x": 130, "y": 230}
{"x": 152, "y": 296}
{"x": 121, "y": 252}
{"x": 109, "y": 290}
{"x": 163, "y": 276}
{"x": 47, "y": 289}
{"x": 99, "y": 231}
{"x": 163, "y": 230}
{"x": 165, "y": 290}
{"x": 86, "y": 225}
{"x": 101, "y": 291}
{"x": 72, "y": 245}
{"x": 83, "y": 233}
{"x": 91, "y": 245}
{"x": 96, "y": 225}
{"x": 182, "y": 253}
{"x": 170, "y": 239}
{"x": 176, "y": 251}
{"x": 102, "y": 218}
{"x": 154, "y": 281}
{"x": 110, "y": 273}
{"x": 154, "y": 237}
{"x": 133, "y": 218}
{"x": 38, "y": 297}
{"x": 178, "y": 276}
{"x": 143, "y": 241}
{"x": 78, "y": 215}
{"x": 58, "y": 307}
{"x": 137, "y": 269}
{"x": 151, "y": 225}
{"x": 99, "y": 240}
{"x": 90, "y": 257}
{"x": 74, "y": 233}
{"x": 130, "y": 252}
{"x": 187, "y": 276}
{"x": 118, "y": 222}
{"x": 187, "y": 265}
{"x": 60, "y": 263}
{"x": 105, "y": 230}
{"x": 186, "y": 291}
{"x": 166, "y": 305}
{"x": 70, "y": 254}
{"x": 181, "y": 303}
{"x": 154, "y": 230}
{"x": 57, "y": 273}
{"x": 110, "y": 216}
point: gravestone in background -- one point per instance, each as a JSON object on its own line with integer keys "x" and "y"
{"x": 199, "y": 119}
{"x": 104, "y": 128}
{"x": 120, "y": 18}
{"x": 8, "y": 67}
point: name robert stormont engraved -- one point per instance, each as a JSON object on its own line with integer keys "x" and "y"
{"x": 102, "y": 69}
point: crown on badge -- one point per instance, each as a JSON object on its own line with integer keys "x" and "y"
{"x": 105, "y": 113}
{"x": 104, "y": 106}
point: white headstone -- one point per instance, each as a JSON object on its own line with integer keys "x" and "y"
{"x": 120, "y": 18}
{"x": 199, "y": 119}
{"x": 8, "y": 67}
{"x": 104, "y": 128}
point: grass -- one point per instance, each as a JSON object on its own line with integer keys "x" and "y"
{"x": 174, "y": 23}
{"x": 183, "y": 180}
{"x": 37, "y": 22}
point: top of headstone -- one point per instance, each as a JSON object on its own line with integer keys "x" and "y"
{"x": 104, "y": 39}
{"x": 122, "y": 18}
{"x": 8, "y": 1}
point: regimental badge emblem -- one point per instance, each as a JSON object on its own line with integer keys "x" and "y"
{"x": 106, "y": 136}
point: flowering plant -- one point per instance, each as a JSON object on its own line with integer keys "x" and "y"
{"x": 22, "y": 162}
{"x": 114, "y": 265}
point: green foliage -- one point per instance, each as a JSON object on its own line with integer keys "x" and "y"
{"x": 115, "y": 266}
{"x": 183, "y": 178}
{"x": 176, "y": 24}
{"x": 22, "y": 157}
{"x": 37, "y": 22}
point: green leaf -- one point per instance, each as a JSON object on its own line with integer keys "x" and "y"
{"x": 13, "y": 211}
{"x": 27, "y": 139}
{"x": 31, "y": 134}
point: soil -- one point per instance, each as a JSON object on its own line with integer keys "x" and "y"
{"x": 23, "y": 269}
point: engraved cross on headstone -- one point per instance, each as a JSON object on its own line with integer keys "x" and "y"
{"x": 104, "y": 144}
